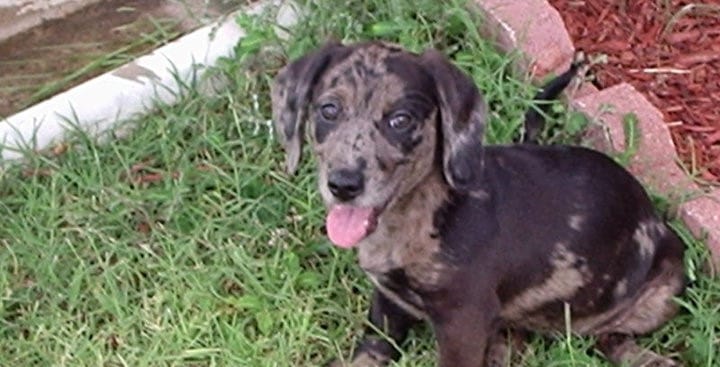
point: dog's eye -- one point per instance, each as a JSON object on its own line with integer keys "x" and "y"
{"x": 329, "y": 111}
{"x": 400, "y": 121}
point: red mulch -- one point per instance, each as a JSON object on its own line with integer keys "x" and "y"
{"x": 669, "y": 54}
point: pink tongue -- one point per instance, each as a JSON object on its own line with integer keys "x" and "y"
{"x": 347, "y": 225}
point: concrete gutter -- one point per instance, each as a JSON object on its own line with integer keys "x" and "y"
{"x": 128, "y": 91}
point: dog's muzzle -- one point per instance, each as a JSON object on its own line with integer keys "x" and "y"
{"x": 347, "y": 223}
{"x": 346, "y": 184}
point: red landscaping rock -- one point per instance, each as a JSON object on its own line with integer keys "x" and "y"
{"x": 533, "y": 27}
{"x": 702, "y": 216}
{"x": 579, "y": 89}
{"x": 655, "y": 160}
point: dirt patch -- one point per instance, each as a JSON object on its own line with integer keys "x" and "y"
{"x": 64, "y": 52}
{"x": 669, "y": 51}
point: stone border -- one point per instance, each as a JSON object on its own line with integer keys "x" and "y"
{"x": 535, "y": 28}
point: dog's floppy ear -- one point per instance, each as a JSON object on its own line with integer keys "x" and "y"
{"x": 291, "y": 92}
{"x": 462, "y": 113}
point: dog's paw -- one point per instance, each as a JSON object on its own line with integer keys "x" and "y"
{"x": 360, "y": 360}
{"x": 498, "y": 355}
{"x": 335, "y": 363}
{"x": 651, "y": 359}
{"x": 354, "y": 363}
{"x": 623, "y": 350}
{"x": 647, "y": 358}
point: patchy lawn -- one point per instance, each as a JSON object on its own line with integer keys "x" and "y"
{"x": 184, "y": 243}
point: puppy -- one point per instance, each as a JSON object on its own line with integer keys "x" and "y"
{"x": 477, "y": 240}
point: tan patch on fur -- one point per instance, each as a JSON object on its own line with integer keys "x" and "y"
{"x": 564, "y": 281}
{"x": 646, "y": 234}
{"x": 576, "y": 221}
{"x": 645, "y": 312}
{"x": 652, "y": 309}
{"x": 620, "y": 289}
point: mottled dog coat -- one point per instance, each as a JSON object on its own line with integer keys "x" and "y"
{"x": 480, "y": 241}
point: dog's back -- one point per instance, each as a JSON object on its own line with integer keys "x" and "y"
{"x": 561, "y": 227}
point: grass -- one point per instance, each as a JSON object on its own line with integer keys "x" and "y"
{"x": 184, "y": 244}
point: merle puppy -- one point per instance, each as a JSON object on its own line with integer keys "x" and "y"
{"x": 478, "y": 240}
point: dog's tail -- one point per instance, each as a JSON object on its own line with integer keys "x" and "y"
{"x": 535, "y": 116}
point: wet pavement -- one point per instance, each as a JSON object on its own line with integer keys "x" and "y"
{"x": 64, "y": 52}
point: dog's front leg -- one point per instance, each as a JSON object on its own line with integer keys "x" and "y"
{"x": 392, "y": 321}
{"x": 463, "y": 334}
{"x": 502, "y": 346}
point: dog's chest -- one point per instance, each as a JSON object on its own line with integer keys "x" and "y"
{"x": 400, "y": 293}
{"x": 401, "y": 259}
{"x": 403, "y": 266}
{"x": 405, "y": 244}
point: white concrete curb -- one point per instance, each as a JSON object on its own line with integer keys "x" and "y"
{"x": 127, "y": 91}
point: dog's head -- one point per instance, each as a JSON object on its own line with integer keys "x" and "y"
{"x": 382, "y": 120}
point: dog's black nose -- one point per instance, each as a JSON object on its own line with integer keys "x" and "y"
{"x": 346, "y": 184}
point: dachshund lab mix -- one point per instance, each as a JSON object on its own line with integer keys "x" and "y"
{"x": 484, "y": 242}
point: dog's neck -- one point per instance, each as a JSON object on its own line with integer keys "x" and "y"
{"x": 406, "y": 237}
